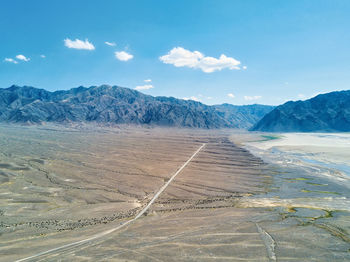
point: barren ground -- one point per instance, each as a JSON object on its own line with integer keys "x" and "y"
{"x": 60, "y": 185}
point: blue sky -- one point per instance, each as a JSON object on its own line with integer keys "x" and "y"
{"x": 273, "y": 51}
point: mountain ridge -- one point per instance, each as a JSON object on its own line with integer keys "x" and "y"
{"x": 120, "y": 105}
{"x": 328, "y": 112}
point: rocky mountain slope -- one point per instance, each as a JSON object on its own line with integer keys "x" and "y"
{"x": 113, "y": 104}
{"x": 243, "y": 116}
{"x": 327, "y": 112}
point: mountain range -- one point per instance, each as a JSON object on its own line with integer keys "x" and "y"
{"x": 324, "y": 113}
{"x": 119, "y": 105}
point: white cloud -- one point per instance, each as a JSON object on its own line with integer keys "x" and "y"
{"x": 305, "y": 97}
{"x": 110, "y": 43}
{"x": 144, "y": 87}
{"x": 79, "y": 44}
{"x": 43, "y": 56}
{"x": 231, "y": 95}
{"x": 209, "y": 97}
{"x": 180, "y": 57}
{"x": 192, "y": 98}
{"x": 147, "y": 80}
{"x": 22, "y": 57}
{"x": 211, "y": 64}
{"x": 123, "y": 56}
{"x": 10, "y": 60}
{"x": 244, "y": 67}
{"x": 251, "y": 98}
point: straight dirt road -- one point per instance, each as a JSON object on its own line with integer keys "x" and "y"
{"x": 107, "y": 232}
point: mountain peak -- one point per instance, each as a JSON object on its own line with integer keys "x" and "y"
{"x": 326, "y": 112}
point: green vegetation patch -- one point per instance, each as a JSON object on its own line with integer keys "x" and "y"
{"x": 335, "y": 231}
{"x": 316, "y": 191}
{"x": 315, "y": 184}
{"x": 298, "y": 179}
{"x": 269, "y": 137}
{"x": 291, "y": 209}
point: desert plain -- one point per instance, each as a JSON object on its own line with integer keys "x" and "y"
{"x": 68, "y": 192}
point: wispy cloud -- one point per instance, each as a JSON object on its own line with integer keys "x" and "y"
{"x": 43, "y": 56}
{"x": 147, "y": 80}
{"x": 305, "y": 97}
{"x": 231, "y": 95}
{"x": 19, "y": 57}
{"x": 251, "y": 98}
{"x": 301, "y": 96}
{"x": 10, "y": 60}
{"x": 144, "y": 87}
{"x": 123, "y": 56}
{"x": 79, "y": 44}
{"x": 192, "y": 98}
{"x": 22, "y": 58}
{"x": 180, "y": 57}
{"x": 110, "y": 43}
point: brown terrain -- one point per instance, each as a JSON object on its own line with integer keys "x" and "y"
{"x": 61, "y": 185}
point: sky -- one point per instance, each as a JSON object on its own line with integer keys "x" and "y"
{"x": 222, "y": 51}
